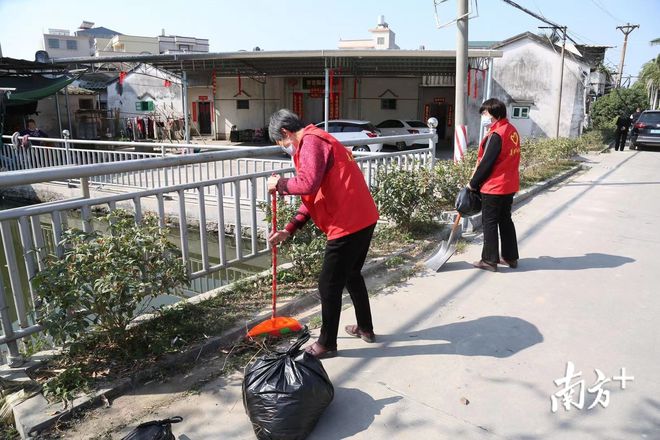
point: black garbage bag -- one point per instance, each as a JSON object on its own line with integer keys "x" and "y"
{"x": 284, "y": 394}
{"x": 468, "y": 202}
{"x": 154, "y": 430}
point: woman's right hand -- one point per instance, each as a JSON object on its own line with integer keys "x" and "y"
{"x": 278, "y": 237}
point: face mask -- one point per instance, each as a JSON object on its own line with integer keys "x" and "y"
{"x": 486, "y": 120}
{"x": 288, "y": 149}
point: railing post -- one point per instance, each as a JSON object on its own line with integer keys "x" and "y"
{"x": 67, "y": 152}
{"x": 433, "y": 124}
{"x": 84, "y": 186}
{"x": 15, "y": 359}
{"x": 162, "y": 153}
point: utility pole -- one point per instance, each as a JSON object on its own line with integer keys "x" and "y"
{"x": 460, "y": 100}
{"x": 627, "y": 29}
{"x": 561, "y": 74}
{"x": 563, "y": 49}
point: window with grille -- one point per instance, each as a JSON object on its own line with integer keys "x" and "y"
{"x": 53, "y": 43}
{"x": 520, "y": 112}
{"x": 144, "y": 106}
{"x": 388, "y": 104}
{"x": 72, "y": 44}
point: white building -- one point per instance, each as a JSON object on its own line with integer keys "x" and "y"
{"x": 382, "y": 37}
{"x": 526, "y": 79}
{"x": 126, "y": 44}
{"x": 100, "y": 41}
{"x": 61, "y": 43}
{"x": 145, "y": 92}
{"x": 179, "y": 44}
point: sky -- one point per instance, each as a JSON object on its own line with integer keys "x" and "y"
{"x": 316, "y": 24}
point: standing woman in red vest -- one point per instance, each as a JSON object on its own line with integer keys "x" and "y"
{"x": 336, "y": 197}
{"x": 498, "y": 179}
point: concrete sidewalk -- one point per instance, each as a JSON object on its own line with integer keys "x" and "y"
{"x": 586, "y": 291}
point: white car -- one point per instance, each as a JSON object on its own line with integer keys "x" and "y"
{"x": 398, "y": 127}
{"x": 349, "y": 130}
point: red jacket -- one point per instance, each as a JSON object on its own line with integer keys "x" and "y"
{"x": 504, "y": 177}
{"x": 343, "y": 204}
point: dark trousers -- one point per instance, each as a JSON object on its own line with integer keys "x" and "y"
{"x": 342, "y": 266}
{"x": 620, "y": 139}
{"x": 496, "y": 214}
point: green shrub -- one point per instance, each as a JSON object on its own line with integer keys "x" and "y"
{"x": 450, "y": 177}
{"x": 66, "y": 385}
{"x": 305, "y": 249}
{"x": 597, "y": 138}
{"x": 406, "y": 197}
{"x": 102, "y": 282}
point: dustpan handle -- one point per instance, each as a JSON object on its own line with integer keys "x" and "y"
{"x": 274, "y": 251}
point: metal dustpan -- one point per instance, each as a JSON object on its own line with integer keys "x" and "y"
{"x": 446, "y": 248}
{"x": 276, "y": 325}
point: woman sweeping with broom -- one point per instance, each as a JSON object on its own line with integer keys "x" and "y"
{"x": 336, "y": 197}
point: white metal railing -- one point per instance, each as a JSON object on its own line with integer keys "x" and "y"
{"x": 29, "y": 232}
{"x": 39, "y": 156}
{"x": 62, "y": 154}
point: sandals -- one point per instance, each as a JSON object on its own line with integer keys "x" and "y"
{"x": 511, "y": 263}
{"x": 356, "y": 331}
{"x": 481, "y": 264}
{"x": 320, "y": 352}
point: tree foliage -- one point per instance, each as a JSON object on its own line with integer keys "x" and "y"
{"x": 618, "y": 102}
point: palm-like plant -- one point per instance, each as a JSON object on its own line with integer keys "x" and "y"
{"x": 650, "y": 78}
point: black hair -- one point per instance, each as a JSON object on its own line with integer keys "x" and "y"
{"x": 283, "y": 118}
{"x": 495, "y": 107}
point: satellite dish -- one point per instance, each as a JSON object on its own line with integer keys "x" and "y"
{"x": 41, "y": 56}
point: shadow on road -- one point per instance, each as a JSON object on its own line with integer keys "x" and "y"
{"x": 356, "y": 410}
{"x": 588, "y": 261}
{"x": 545, "y": 262}
{"x": 495, "y": 336}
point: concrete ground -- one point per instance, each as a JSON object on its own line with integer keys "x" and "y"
{"x": 467, "y": 354}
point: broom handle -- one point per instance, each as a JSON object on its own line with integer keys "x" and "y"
{"x": 274, "y": 252}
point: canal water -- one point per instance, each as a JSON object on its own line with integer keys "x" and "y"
{"x": 204, "y": 284}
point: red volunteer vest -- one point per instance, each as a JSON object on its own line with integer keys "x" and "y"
{"x": 504, "y": 178}
{"x": 343, "y": 204}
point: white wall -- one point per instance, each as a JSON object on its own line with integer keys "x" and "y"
{"x": 84, "y": 46}
{"x": 529, "y": 72}
{"x": 139, "y": 87}
{"x": 257, "y": 116}
{"x": 370, "y": 91}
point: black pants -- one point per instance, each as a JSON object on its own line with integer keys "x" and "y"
{"x": 496, "y": 214}
{"x": 620, "y": 139}
{"x": 342, "y": 266}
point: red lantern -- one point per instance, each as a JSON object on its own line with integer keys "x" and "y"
{"x": 213, "y": 83}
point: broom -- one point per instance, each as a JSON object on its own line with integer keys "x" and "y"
{"x": 276, "y": 325}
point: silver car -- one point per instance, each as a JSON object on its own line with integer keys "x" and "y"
{"x": 398, "y": 127}
{"x": 353, "y": 130}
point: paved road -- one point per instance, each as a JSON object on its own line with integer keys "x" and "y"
{"x": 586, "y": 291}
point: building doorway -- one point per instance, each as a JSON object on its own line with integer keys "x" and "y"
{"x": 204, "y": 117}
{"x": 313, "y": 109}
